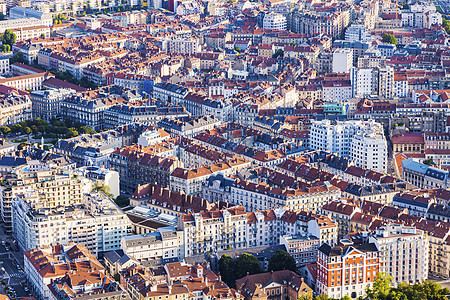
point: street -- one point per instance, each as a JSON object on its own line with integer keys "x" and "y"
{"x": 11, "y": 278}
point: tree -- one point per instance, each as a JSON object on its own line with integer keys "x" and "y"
{"x": 86, "y": 129}
{"x": 429, "y": 162}
{"x": 282, "y": 260}
{"x": 389, "y": 38}
{"x": 227, "y": 270}
{"x": 15, "y": 128}
{"x": 18, "y": 57}
{"x": 322, "y": 297}
{"x": 122, "y": 201}
{"x": 381, "y": 287}
{"x": 102, "y": 188}
{"x": 6, "y": 48}
{"x": 446, "y": 25}
{"x": 5, "y": 130}
{"x": 279, "y": 53}
{"x": 9, "y": 37}
{"x": 27, "y": 130}
{"x": 247, "y": 264}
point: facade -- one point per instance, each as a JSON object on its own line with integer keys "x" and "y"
{"x": 403, "y": 253}
{"x": 346, "y": 270}
{"x": 95, "y": 221}
{"x": 274, "y": 21}
{"x": 362, "y": 141}
{"x": 342, "y": 60}
{"x": 157, "y": 248}
{"x": 302, "y": 248}
{"x": 47, "y": 103}
{"x": 14, "y": 109}
{"x": 424, "y": 176}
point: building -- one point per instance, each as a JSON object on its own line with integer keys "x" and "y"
{"x": 342, "y": 60}
{"x": 211, "y": 231}
{"x": 46, "y": 104}
{"x": 403, "y": 253}
{"x": 346, "y": 270}
{"x": 14, "y": 109}
{"x": 352, "y": 139}
{"x": 95, "y": 221}
{"x": 274, "y": 21}
{"x": 302, "y": 248}
{"x": 424, "y": 176}
{"x": 283, "y": 284}
{"x": 187, "y": 45}
{"x": 155, "y": 249}
{"x": 69, "y": 271}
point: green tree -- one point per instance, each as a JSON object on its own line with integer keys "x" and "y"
{"x": 86, "y": 129}
{"x": 5, "y": 130}
{"x": 282, "y": 260}
{"x": 18, "y": 57}
{"x": 6, "y": 48}
{"x": 429, "y": 162}
{"x": 27, "y": 130}
{"x": 2, "y": 16}
{"x": 390, "y": 39}
{"x": 227, "y": 269}
{"x": 247, "y": 264}
{"x": 446, "y": 25}
{"x": 9, "y": 37}
{"x": 122, "y": 201}
{"x": 381, "y": 287}
{"x": 279, "y": 53}
{"x": 15, "y": 128}
{"x": 322, "y": 297}
{"x": 102, "y": 188}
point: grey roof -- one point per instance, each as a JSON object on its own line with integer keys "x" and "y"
{"x": 114, "y": 256}
{"x": 10, "y": 161}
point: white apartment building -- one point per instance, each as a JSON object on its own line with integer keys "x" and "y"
{"x": 211, "y": 231}
{"x": 47, "y": 103}
{"x": 186, "y": 45}
{"x": 96, "y": 222}
{"x": 4, "y": 65}
{"x": 261, "y": 196}
{"x": 342, "y": 137}
{"x": 160, "y": 247}
{"x": 337, "y": 91}
{"x": 14, "y": 109}
{"x": 369, "y": 149}
{"x": 403, "y": 252}
{"x": 357, "y": 32}
{"x": 342, "y": 60}
{"x": 364, "y": 82}
{"x": 386, "y": 82}
{"x": 274, "y": 21}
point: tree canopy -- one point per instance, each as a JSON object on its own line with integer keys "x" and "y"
{"x": 230, "y": 269}
{"x": 282, "y": 260}
{"x": 8, "y": 37}
{"x": 390, "y": 39}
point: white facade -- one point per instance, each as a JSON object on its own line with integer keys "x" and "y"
{"x": 369, "y": 149}
{"x": 342, "y": 60}
{"x": 357, "y": 32}
{"x": 362, "y": 141}
{"x": 363, "y": 81}
{"x": 403, "y": 253}
{"x": 274, "y": 21}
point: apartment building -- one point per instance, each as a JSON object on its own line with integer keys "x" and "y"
{"x": 95, "y": 222}
{"x": 403, "y": 253}
{"x": 211, "y": 231}
{"x": 14, "y": 109}
{"x": 346, "y": 270}
{"x": 47, "y": 103}
{"x": 27, "y": 82}
{"x": 187, "y": 45}
{"x": 48, "y": 269}
{"x": 156, "y": 248}
{"x": 342, "y": 60}
{"x": 274, "y": 21}
{"x": 424, "y": 176}
{"x": 53, "y": 187}
{"x": 302, "y": 248}
{"x": 361, "y": 141}
{"x": 190, "y": 180}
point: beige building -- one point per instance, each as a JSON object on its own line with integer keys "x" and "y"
{"x": 14, "y": 109}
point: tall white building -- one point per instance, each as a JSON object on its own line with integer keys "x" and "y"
{"x": 386, "y": 82}
{"x": 403, "y": 252}
{"x": 349, "y": 138}
{"x": 357, "y": 32}
{"x": 274, "y": 21}
{"x": 369, "y": 149}
{"x": 364, "y": 81}
{"x": 342, "y": 60}
{"x": 96, "y": 222}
